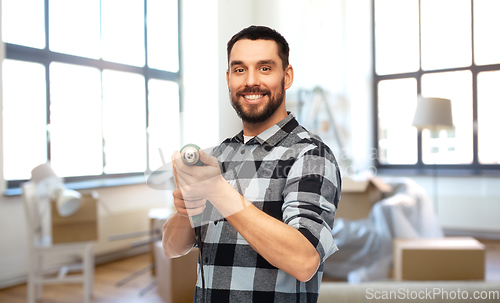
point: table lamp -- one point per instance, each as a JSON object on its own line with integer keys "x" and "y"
{"x": 433, "y": 114}
{"x": 49, "y": 185}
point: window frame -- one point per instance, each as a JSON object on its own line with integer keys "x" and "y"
{"x": 420, "y": 168}
{"x": 45, "y": 57}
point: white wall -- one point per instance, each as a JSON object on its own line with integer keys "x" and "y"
{"x": 200, "y": 73}
{"x": 468, "y": 204}
{"x": 233, "y": 16}
{"x": 314, "y": 31}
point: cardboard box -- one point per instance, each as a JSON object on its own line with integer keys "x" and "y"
{"x": 79, "y": 227}
{"x": 176, "y": 277}
{"x": 157, "y": 218}
{"x": 438, "y": 259}
{"x": 358, "y": 197}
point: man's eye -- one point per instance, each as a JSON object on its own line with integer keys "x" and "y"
{"x": 239, "y": 70}
{"x": 265, "y": 69}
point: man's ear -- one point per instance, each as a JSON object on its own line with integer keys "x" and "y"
{"x": 227, "y": 77}
{"x": 288, "y": 76}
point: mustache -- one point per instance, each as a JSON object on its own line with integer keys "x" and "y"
{"x": 252, "y": 90}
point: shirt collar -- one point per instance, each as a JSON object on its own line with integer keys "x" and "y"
{"x": 274, "y": 134}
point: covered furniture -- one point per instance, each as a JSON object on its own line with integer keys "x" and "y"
{"x": 365, "y": 245}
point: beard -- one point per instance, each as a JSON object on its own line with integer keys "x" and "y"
{"x": 256, "y": 113}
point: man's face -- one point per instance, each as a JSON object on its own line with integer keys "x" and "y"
{"x": 256, "y": 79}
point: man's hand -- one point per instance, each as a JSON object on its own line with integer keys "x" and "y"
{"x": 195, "y": 184}
{"x": 206, "y": 182}
{"x": 187, "y": 208}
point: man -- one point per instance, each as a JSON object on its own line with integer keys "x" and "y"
{"x": 267, "y": 196}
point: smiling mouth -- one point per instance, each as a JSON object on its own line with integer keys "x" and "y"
{"x": 253, "y": 97}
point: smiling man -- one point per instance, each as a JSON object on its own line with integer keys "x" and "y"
{"x": 267, "y": 196}
{"x": 258, "y": 91}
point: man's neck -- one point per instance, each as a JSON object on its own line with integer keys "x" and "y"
{"x": 253, "y": 129}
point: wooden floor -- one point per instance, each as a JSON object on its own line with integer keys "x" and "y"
{"x": 105, "y": 289}
{"x": 108, "y": 275}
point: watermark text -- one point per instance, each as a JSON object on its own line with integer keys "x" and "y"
{"x": 431, "y": 294}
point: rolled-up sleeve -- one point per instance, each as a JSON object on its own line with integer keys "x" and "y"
{"x": 311, "y": 196}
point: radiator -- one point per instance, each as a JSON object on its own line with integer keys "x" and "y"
{"x": 128, "y": 222}
{"x": 479, "y": 214}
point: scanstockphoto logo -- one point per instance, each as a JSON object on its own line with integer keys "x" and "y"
{"x": 431, "y": 294}
{"x": 348, "y": 166}
{"x": 162, "y": 178}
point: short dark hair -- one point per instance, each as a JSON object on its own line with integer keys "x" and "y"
{"x": 255, "y": 32}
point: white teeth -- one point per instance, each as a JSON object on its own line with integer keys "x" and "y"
{"x": 253, "y": 97}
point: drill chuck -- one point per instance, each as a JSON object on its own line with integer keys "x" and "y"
{"x": 190, "y": 155}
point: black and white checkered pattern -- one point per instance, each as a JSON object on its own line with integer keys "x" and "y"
{"x": 289, "y": 174}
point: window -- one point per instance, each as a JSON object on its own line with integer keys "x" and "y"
{"x": 91, "y": 85}
{"x": 437, "y": 48}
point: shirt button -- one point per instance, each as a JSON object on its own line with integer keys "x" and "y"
{"x": 206, "y": 260}
{"x": 242, "y": 151}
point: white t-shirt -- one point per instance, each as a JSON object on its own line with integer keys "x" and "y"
{"x": 247, "y": 138}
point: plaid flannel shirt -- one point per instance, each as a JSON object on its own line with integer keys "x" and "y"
{"x": 291, "y": 175}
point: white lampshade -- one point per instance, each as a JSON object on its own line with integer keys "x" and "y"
{"x": 46, "y": 179}
{"x": 68, "y": 201}
{"x": 49, "y": 185}
{"x": 433, "y": 113}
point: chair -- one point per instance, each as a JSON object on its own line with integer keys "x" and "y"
{"x": 40, "y": 247}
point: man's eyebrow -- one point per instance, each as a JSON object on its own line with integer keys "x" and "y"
{"x": 236, "y": 62}
{"x": 260, "y": 62}
{"x": 269, "y": 62}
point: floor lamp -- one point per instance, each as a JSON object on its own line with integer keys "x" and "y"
{"x": 433, "y": 114}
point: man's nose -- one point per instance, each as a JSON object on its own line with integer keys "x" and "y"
{"x": 252, "y": 79}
